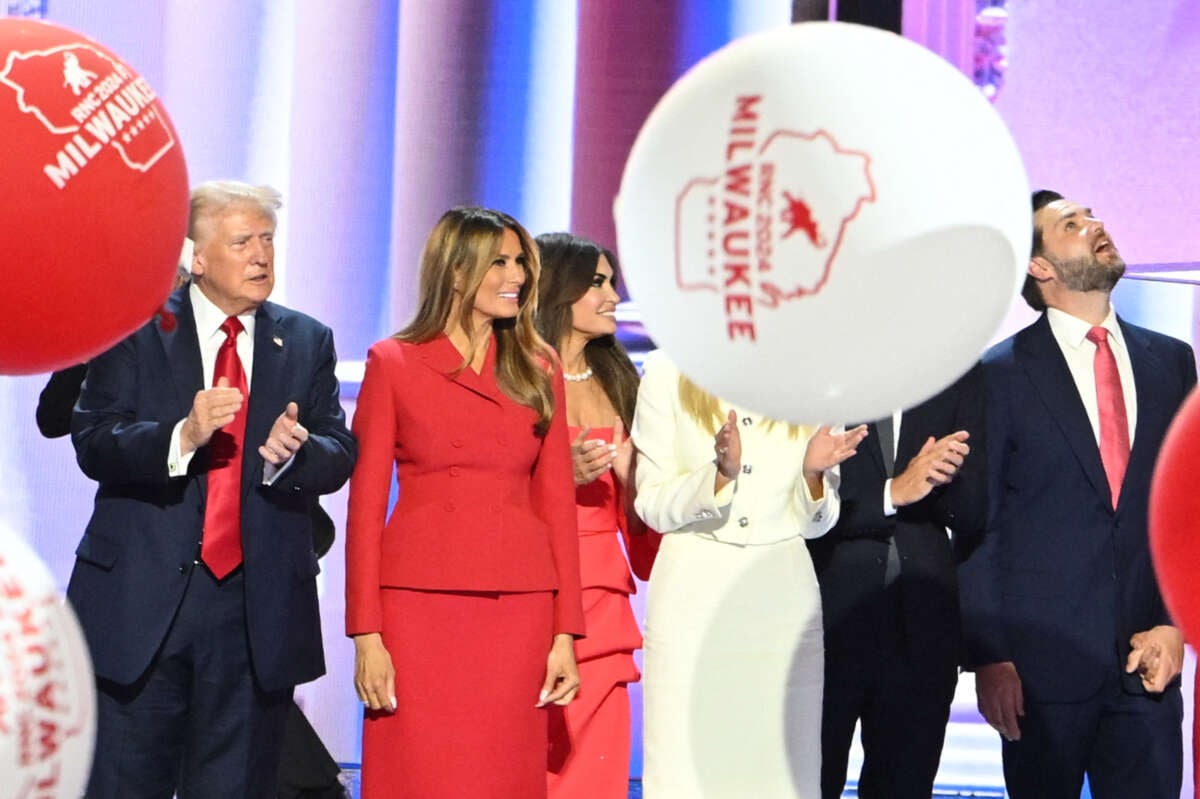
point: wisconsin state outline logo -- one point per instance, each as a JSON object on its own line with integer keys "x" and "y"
{"x": 768, "y": 228}
{"x": 92, "y": 101}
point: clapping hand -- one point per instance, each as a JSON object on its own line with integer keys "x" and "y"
{"x": 728, "y": 446}
{"x": 286, "y": 437}
{"x": 591, "y": 457}
{"x": 827, "y": 449}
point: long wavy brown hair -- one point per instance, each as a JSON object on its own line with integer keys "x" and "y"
{"x": 462, "y": 246}
{"x": 568, "y": 266}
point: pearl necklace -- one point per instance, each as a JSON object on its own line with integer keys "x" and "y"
{"x": 577, "y": 378}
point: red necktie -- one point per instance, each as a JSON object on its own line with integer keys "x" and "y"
{"x": 1110, "y": 401}
{"x": 221, "y": 549}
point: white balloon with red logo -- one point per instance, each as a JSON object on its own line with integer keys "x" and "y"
{"x": 47, "y": 692}
{"x": 823, "y": 222}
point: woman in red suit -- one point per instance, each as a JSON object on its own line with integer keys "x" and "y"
{"x": 577, "y": 299}
{"x": 463, "y": 605}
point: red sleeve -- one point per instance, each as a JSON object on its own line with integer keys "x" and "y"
{"x": 641, "y": 542}
{"x": 553, "y": 496}
{"x": 370, "y": 485}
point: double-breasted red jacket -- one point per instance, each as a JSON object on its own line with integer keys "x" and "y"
{"x": 484, "y": 503}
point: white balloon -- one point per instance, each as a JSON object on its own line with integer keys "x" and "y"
{"x": 47, "y": 692}
{"x": 823, "y": 222}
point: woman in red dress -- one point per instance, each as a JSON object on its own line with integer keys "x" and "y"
{"x": 577, "y": 299}
{"x": 464, "y": 604}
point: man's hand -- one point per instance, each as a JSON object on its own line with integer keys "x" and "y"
{"x": 1157, "y": 656}
{"x": 212, "y": 409}
{"x": 935, "y": 465}
{"x": 286, "y": 437}
{"x": 1000, "y": 698}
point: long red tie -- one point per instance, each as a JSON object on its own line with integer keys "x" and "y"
{"x": 1114, "y": 424}
{"x": 221, "y": 549}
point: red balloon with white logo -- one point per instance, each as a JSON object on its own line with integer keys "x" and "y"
{"x": 94, "y": 203}
{"x": 1174, "y": 508}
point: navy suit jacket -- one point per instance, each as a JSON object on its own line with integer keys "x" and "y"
{"x": 851, "y": 558}
{"x": 1062, "y": 580}
{"x": 133, "y": 562}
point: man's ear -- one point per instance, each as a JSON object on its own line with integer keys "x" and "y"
{"x": 1039, "y": 268}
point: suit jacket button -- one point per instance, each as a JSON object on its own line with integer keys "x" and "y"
{"x": 456, "y": 442}
{"x": 747, "y": 421}
{"x": 183, "y": 567}
{"x": 747, "y": 468}
{"x": 296, "y": 489}
{"x": 743, "y": 522}
{"x": 449, "y": 507}
{"x": 454, "y": 471}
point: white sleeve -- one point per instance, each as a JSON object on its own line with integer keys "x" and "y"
{"x": 670, "y": 499}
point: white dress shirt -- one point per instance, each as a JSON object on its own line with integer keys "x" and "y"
{"x": 888, "y": 508}
{"x": 1071, "y": 334}
{"x": 209, "y": 318}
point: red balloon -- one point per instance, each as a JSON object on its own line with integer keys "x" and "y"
{"x": 1174, "y": 514}
{"x": 95, "y": 198}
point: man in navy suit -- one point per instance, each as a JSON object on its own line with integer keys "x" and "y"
{"x": 1076, "y": 661}
{"x": 913, "y": 505}
{"x": 196, "y": 656}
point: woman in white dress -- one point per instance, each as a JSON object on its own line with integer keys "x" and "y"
{"x": 733, "y": 638}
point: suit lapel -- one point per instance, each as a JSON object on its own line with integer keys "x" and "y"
{"x": 1151, "y": 413}
{"x": 1043, "y": 361}
{"x": 442, "y": 356}
{"x": 268, "y": 389}
{"x": 181, "y": 347}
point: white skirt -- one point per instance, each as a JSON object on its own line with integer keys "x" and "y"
{"x": 734, "y": 669}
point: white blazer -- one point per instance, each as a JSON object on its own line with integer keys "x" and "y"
{"x": 768, "y": 502}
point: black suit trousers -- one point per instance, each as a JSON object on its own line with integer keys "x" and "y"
{"x": 902, "y": 696}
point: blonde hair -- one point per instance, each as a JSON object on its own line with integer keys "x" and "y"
{"x": 462, "y": 246}
{"x": 706, "y": 410}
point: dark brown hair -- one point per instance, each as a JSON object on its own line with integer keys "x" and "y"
{"x": 568, "y": 266}
{"x": 1030, "y": 290}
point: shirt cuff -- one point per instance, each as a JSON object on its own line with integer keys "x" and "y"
{"x": 271, "y": 472}
{"x": 177, "y": 462}
{"x": 888, "y": 508}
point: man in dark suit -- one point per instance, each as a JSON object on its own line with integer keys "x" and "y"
{"x": 912, "y": 505}
{"x": 195, "y": 579}
{"x": 1076, "y": 661}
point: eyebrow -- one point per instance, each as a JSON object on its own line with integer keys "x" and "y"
{"x": 1086, "y": 212}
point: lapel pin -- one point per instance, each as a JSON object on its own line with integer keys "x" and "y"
{"x": 278, "y": 342}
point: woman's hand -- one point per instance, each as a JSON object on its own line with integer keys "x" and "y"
{"x": 826, "y": 450}
{"x": 562, "y": 675}
{"x": 622, "y": 452}
{"x": 590, "y": 458}
{"x": 374, "y": 676}
{"x": 728, "y": 446}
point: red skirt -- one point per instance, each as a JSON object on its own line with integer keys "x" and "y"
{"x": 590, "y": 738}
{"x": 469, "y": 667}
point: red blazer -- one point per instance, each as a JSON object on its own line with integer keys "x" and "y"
{"x": 484, "y": 505}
